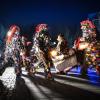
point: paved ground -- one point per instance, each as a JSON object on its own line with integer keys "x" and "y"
{"x": 64, "y": 87}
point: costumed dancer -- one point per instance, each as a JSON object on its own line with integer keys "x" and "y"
{"x": 25, "y": 57}
{"x": 62, "y": 48}
{"x": 86, "y": 43}
{"x": 64, "y": 58}
{"x": 13, "y": 43}
{"x": 41, "y": 44}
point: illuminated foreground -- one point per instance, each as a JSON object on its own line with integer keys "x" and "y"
{"x": 64, "y": 87}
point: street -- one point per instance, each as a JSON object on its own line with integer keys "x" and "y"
{"x": 64, "y": 87}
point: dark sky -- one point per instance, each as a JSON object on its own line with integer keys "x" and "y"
{"x": 26, "y": 12}
{"x": 60, "y": 15}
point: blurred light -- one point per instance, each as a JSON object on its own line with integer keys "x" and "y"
{"x": 53, "y": 53}
{"x": 54, "y": 42}
{"x": 9, "y": 33}
{"x": 60, "y": 57}
{"x": 83, "y": 46}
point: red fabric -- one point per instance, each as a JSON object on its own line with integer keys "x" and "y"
{"x": 13, "y": 29}
{"x": 77, "y": 42}
{"x": 88, "y": 23}
{"x": 41, "y": 27}
{"x": 29, "y": 43}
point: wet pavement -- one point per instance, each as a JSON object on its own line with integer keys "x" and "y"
{"x": 64, "y": 87}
